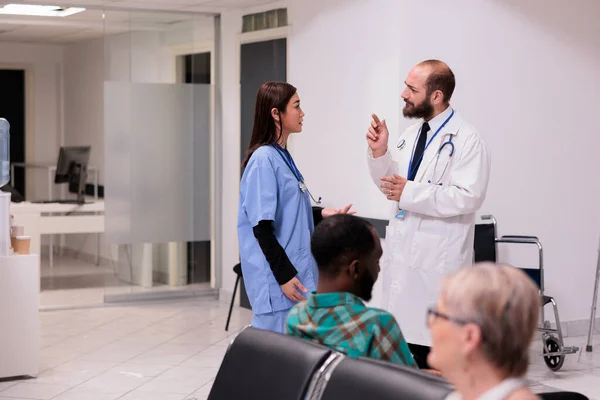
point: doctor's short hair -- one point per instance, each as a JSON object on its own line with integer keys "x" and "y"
{"x": 440, "y": 78}
{"x": 340, "y": 239}
{"x": 505, "y": 303}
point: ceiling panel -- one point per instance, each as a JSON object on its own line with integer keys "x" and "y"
{"x": 77, "y": 37}
{"x": 9, "y": 27}
{"x": 64, "y": 3}
{"x": 90, "y": 24}
{"x": 149, "y": 3}
{"x": 37, "y": 32}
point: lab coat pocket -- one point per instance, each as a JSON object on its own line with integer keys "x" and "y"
{"x": 429, "y": 252}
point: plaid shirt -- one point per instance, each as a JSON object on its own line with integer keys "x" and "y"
{"x": 342, "y": 322}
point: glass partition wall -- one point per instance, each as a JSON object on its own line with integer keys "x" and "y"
{"x": 137, "y": 88}
{"x": 157, "y": 124}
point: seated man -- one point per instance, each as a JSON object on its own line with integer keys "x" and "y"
{"x": 347, "y": 250}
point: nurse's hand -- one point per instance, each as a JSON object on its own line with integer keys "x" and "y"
{"x": 328, "y": 212}
{"x": 377, "y": 136}
{"x": 393, "y": 186}
{"x": 292, "y": 290}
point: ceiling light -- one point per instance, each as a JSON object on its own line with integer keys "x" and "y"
{"x": 40, "y": 11}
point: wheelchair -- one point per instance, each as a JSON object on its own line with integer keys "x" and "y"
{"x": 486, "y": 246}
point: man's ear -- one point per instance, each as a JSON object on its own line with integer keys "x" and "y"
{"x": 275, "y": 114}
{"x": 355, "y": 269}
{"x": 438, "y": 97}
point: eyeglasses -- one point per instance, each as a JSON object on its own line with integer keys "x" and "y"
{"x": 432, "y": 313}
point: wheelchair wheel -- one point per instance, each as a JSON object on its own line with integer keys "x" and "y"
{"x": 554, "y": 362}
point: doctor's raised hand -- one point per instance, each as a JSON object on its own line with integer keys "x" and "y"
{"x": 377, "y": 136}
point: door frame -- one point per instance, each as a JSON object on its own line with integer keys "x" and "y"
{"x": 207, "y": 46}
{"x": 29, "y": 118}
{"x": 254, "y": 37}
{"x": 261, "y": 36}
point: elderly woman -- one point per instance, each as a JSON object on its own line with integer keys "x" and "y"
{"x": 481, "y": 330}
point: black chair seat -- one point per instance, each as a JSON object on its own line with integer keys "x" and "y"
{"x": 267, "y": 365}
{"x": 562, "y": 396}
{"x": 238, "y": 269}
{"x": 369, "y": 379}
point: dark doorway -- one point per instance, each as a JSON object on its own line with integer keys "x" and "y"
{"x": 260, "y": 62}
{"x": 196, "y": 70}
{"x": 12, "y": 107}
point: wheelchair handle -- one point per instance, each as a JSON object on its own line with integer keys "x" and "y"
{"x": 528, "y": 240}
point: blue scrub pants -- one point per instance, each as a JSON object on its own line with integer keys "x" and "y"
{"x": 273, "y": 321}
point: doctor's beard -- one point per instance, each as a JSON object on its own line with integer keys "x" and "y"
{"x": 365, "y": 286}
{"x": 423, "y": 110}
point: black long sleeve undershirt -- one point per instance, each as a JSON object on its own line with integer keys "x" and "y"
{"x": 280, "y": 264}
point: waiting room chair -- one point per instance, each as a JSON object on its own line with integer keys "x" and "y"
{"x": 359, "y": 379}
{"x": 266, "y": 365}
{"x": 562, "y": 396}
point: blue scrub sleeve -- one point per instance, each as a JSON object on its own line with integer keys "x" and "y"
{"x": 260, "y": 199}
{"x": 280, "y": 264}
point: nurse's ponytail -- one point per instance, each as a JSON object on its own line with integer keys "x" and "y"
{"x": 270, "y": 95}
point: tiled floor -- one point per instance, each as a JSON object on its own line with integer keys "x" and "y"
{"x": 172, "y": 351}
{"x": 73, "y": 283}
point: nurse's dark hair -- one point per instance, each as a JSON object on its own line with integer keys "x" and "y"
{"x": 265, "y": 131}
{"x": 440, "y": 78}
{"x": 340, "y": 239}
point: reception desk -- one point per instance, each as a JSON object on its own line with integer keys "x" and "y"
{"x": 19, "y": 320}
{"x": 56, "y": 218}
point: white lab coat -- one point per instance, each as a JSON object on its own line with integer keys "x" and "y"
{"x": 436, "y": 235}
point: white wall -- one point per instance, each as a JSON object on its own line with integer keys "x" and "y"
{"x": 527, "y": 77}
{"x": 44, "y": 63}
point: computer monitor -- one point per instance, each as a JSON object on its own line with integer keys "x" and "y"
{"x": 72, "y": 168}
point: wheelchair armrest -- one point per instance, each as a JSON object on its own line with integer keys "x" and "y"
{"x": 519, "y": 237}
{"x": 520, "y": 240}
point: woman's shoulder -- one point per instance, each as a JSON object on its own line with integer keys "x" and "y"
{"x": 523, "y": 394}
{"x": 264, "y": 153}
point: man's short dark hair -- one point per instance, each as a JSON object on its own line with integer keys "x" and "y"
{"x": 440, "y": 78}
{"x": 339, "y": 239}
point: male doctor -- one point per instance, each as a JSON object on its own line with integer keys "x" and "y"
{"x": 436, "y": 175}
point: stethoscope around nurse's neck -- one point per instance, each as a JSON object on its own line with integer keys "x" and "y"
{"x": 289, "y": 161}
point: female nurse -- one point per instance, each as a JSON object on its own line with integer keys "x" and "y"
{"x": 275, "y": 217}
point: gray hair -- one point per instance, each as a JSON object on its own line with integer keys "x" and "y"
{"x": 505, "y": 303}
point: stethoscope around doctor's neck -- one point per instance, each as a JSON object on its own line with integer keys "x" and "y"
{"x": 448, "y": 143}
{"x": 289, "y": 161}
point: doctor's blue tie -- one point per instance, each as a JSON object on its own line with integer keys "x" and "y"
{"x": 418, "y": 156}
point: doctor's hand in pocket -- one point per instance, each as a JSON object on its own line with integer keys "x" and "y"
{"x": 292, "y": 289}
{"x": 328, "y": 212}
{"x": 377, "y": 136}
{"x": 393, "y": 186}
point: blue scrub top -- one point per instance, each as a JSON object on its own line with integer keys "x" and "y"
{"x": 269, "y": 191}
